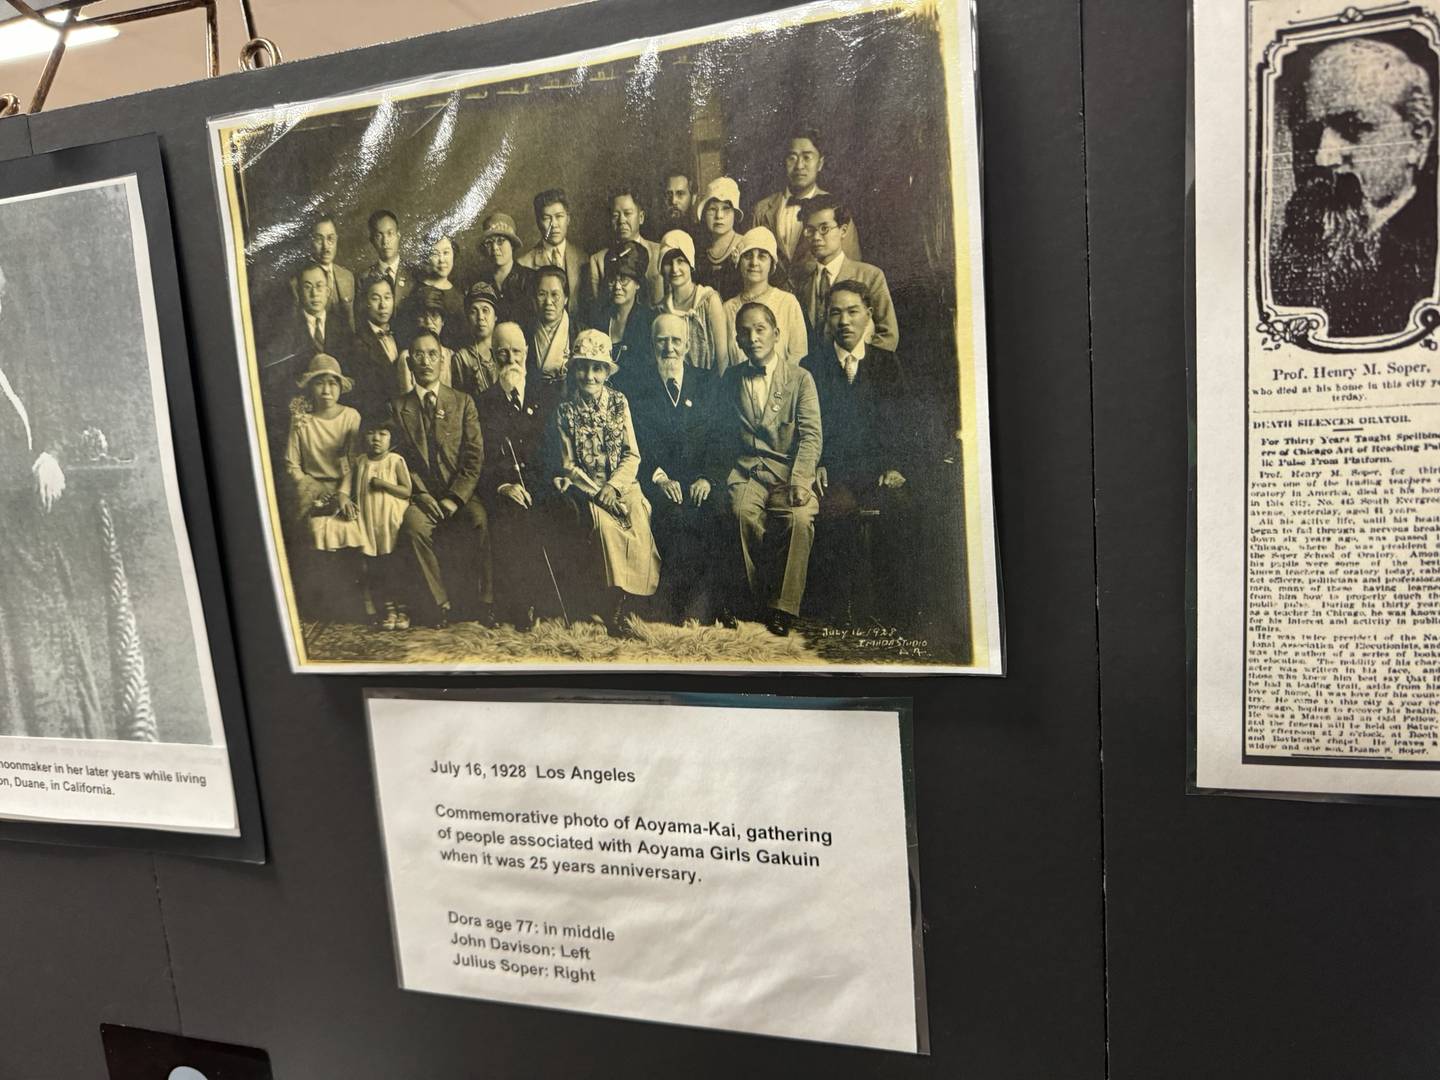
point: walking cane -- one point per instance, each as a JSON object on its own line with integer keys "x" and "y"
{"x": 515, "y": 459}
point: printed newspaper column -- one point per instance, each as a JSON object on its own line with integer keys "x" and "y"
{"x": 1319, "y": 645}
{"x": 726, "y": 865}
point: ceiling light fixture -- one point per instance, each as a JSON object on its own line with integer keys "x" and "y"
{"x": 21, "y": 38}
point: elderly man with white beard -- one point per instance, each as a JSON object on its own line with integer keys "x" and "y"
{"x": 513, "y": 416}
{"x": 1359, "y": 238}
{"x": 673, "y": 408}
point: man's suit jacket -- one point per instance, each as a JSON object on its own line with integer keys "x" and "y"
{"x": 574, "y": 271}
{"x": 866, "y": 428}
{"x": 342, "y": 296}
{"x": 595, "y": 295}
{"x": 886, "y": 330}
{"x": 780, "y": 441}
{"x": 524, "y": 428}
{"x": 459, "y": 452}
{"x": 376, "y": 377}
{"x": 676, "y": 437}
{"x": 404, "y": 283}
{"x": 767, "y": 213}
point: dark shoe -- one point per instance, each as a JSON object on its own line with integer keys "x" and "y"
{"x": 726, "y": 618}
{"x": 779, "y": 623}
{"x": 442, "y": 617}
{"x": 618, "y": 624}
{"x": 485, "y": 616}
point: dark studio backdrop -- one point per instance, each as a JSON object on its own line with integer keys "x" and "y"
{"x": 295, "y": 956}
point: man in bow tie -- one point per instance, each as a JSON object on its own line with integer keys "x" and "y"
{"x": 780, "y": 212}
{"x": 673, "y": 409}
{"x": 768, "y": 425}
{"x": 513, "y": 414}
{"x": 441, "y": 443}
{"x": 373, "y": 357}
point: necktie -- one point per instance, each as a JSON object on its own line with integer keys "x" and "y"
{"x": 387, "y": 342}
{"x": 555, "y": 257}
{"x": 673, "y": 389}
{"x": 851, "y": 366}
{"x": 334, "y": 294}
{"x": 515, "y": 399}
{"x": 430, "y": 433}
{"x": 317, "y": 332}
{"x": 822, "y": 290}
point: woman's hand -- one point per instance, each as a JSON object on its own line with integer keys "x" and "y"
{"x": 563, "y": 484}
{"x": 609, "y": 498}
{"x": 347, "y": 510}
{"x": 49, "y": 480}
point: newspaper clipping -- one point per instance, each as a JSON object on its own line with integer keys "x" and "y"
{"x": 1317, "y": 398}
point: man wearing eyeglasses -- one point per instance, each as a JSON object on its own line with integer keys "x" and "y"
{"x": 780, "y": 212}
{"x": 827, "y": 223}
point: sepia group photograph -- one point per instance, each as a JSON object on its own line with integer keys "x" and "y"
{"x": 666, "y": 355}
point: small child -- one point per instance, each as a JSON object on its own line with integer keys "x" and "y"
{"x": 381, "y": 493}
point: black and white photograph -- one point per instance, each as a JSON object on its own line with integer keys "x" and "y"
{"x": 1348, "y": 205}
{"x": 667, "y": 355}
{"x": 110, "y": 708}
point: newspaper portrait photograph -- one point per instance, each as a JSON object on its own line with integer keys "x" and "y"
{"x": 667, "y": 354}
{"x": 1318, "y": 399}
{"x": 109, "y": 710}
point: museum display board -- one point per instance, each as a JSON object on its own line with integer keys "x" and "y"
{"x": 1237, "y": 936}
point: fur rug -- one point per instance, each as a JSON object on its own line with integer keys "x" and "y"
{"x": 551, "y": 641}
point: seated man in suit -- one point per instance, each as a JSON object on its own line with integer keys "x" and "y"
{"x": 384, "y": 229}
{"x": 672, "y": 407}
{"x": 626, "y": 217}
{"x": 827, "y": 223}
{"x": 473, "y": 367}
{"x": 374, "y": 355}
{"x": 440, "y": 442}
{"x": 324, "y": 245}
{"x": 513, "y": 283}
{"x": 513, "y": 483}
{"x": 552, "y": 218}
{"x": 780, "y": 212}
{"x": 864, "y": 474}
{"x": 552, "y": 332}
{"x": 768, "y": 426}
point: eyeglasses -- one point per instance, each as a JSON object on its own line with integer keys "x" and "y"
{"x": 811, "y": 231}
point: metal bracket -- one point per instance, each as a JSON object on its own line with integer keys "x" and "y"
{"x": 251, "y": 52}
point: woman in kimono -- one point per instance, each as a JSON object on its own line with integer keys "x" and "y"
{"x": 48, "y": 686}
{"x": 597, "y": 469}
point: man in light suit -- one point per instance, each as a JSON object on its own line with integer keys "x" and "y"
{"x": 780, "y": 212}
{"x": 324, "y": 244}
{"x": 552, "y": 218}
{"x": 769, "y": 425}
{"x": 626, "y": 218}
{"x": 827, "y": 223}
{"x": 384, "y": 229}
{"x": 441, "y": 444}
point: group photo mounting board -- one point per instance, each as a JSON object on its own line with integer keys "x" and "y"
{"x": 669, "y": 354}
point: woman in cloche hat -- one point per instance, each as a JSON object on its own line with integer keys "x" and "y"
{"x": 324, "y": 438}
{"x": 758, "y": 260}
{"x": 719, "y": 215}
{"x": 599, "y": 464}
{"x": 699, "y": 305}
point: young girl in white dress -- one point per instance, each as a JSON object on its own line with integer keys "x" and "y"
{"x": 381, "y": 491}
